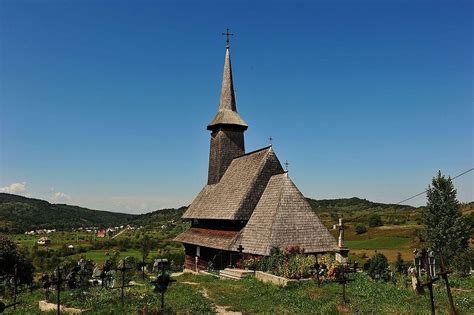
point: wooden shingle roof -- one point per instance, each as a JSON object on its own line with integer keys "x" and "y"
{"x": 235, "y": 196}
{"x": 283, "y": 218}
{"x": 219, "y": 239}
{"x": 227, "y": 113}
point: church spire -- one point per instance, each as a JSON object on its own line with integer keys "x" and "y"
{"x": 227, "y": 100}
{"x": 227, "y": 112}
{"x": 227, "y": 136}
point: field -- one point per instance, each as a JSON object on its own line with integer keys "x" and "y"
{"x": 207, "y": 294}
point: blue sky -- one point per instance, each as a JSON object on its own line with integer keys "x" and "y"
{"x": 105, "y": 104}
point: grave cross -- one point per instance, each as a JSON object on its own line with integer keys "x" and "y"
{"x": 12, "y": 277}
{"x": 343, "y": 279}
{"x": 227, "y": 34}
{"x": 58, "y": 281}
{"x": 161, "y": 283}
{"x": 444, "y": 274}
{"x": 317, "y": 269}
{"x": 427, "y": 262}
{"x": 341, "y": 234}
{"x": 123, "y": 269}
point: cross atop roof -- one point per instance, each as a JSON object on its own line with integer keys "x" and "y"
{"x": 286, "y": 165}
{"x": 227, "y": 34}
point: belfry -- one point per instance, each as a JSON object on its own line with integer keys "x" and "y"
{"x": 249, "y": 203}
{"x": 227, "y": 127}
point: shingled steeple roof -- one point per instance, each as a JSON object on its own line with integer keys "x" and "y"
{"x": 227, "y": 113}
{"x": 283, "y": 218}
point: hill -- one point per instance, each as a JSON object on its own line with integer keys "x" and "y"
{"x": 352, "y": 204}
{"x": 18, "y": 214}
{"x": 356, "y": 210}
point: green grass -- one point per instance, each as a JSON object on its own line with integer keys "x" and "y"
{"x": 179, "y": 298}
{"x": 100, "y": 255}
{"x": 383, "y": 242}
{"x": 251, "y": 296}
{"x": 364, "y": 296}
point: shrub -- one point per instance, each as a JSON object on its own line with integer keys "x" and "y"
{"x": 291, "y": 263}
{"x": 400, "y": 264}
{"x": 10, "y": 255}
{"x": 463, "y": 262}
{"x": 360, "y": 229}
{"x": 378, "y": 267}
{"x": 375, "y": 220}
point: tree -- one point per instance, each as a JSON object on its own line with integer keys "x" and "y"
{"x": 375, "y": 220}
{"x": 446, "y": 232}
{"x": 360, "y": 229}
{"x": 146, "y": 245}
{"x": 378, "y": 267}
{"x": 9, "y": 256}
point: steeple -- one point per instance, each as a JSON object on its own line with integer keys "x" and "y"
{"x": 227, "y": 112}
{"x": 227, "y": 137}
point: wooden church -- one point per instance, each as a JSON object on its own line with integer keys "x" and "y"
{"x": 249, "y": 203}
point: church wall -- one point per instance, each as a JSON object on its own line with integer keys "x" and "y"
{"x": 220, "y": 258}
{"x": 226, "y": 144}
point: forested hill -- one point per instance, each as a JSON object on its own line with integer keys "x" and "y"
{"x": 352, "y": 204}
{"x": 18, "y": 214}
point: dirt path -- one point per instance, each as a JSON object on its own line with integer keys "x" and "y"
{"x": 119, "y": 233}
{"x": 221, "y": 310}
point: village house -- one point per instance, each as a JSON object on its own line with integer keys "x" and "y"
{"x": 250, "y": 204}
{"x": 44, "y": 241}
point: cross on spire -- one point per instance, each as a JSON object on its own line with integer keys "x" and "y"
{"x": 270, "y": 139}
{"x": 286, "y": 165}
{"x": 227, "y": 34}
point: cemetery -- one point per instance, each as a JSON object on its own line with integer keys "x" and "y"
{"x": 123, "y": 286}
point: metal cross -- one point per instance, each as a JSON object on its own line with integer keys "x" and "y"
{"x": 286, "y": 165}
{"x": 227, "y": 34}
{"x": 270, "y": 139}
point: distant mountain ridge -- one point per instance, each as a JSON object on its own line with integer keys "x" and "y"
{"x": 18, "y": 213}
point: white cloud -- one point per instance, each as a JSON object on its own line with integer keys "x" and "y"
{"x": 15, "y": 188}
{"x": 59, "y": 197}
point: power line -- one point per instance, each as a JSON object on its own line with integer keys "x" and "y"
{"x": 424, "y": 192}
